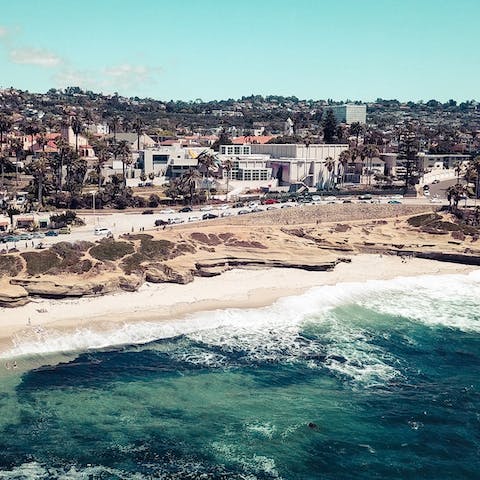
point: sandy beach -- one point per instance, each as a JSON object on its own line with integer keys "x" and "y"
{"x": 170, "y": 302}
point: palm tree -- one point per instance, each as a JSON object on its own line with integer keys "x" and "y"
{"x": 5, "y": 125}
{"x": 42, "y": 141}
{"x": 114, "y": 124}
{"x": 41, "y": 167}
{"x": 207, "y": 165}
{"x": 17, "y": 147}
{"x": 474, "y": 172}
{"x": 103, "y": 155}
{"x": 122, "y": 150}
{"x": 64, "y": 152}
{"x": 343, "y": 159}
{"x": 3, "y": 164}
{"x": 138, "y": 127}
{"x": 31, "y": 128}
{"x": 227, "y": 165}
{"x": 189, "y": 181}
{"x": 356, "y": 129}
{"x": 369, "y": 152}
{"x": 77, "y": 127}
{"x": 330, "y": 165}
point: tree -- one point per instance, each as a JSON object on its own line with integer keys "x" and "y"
{"x": 40, "y": 168}
{"x": 138, "y": 127}
{"x": 207, "y": 164}
{"x": 3, "y": 163}
{"x": 102, "y": 153}
{"x": 63, "y": 154}
{"x": 42, "y": 141}
{"x": 454, "y": 195}
{"x": 330, "y": 166}
{"x": 344, "y": 158}
{"x": 189, "y": 180}
{"x": 122, "y": 150}
{"x": 77, "y": 127}
{"x": 369, "y": 152}
{"x": 227, "y": 165}
{"x": 223, "y": 139}
{"x": 329, "y": 127}
{"x": 408, "y": 152}
{"x": 5, "y": 125}
{"x": 473, "y": 172}
{"x": 356, "y": 128}
{"x": 17, "y": 147}
{"x": 31, "y": 128}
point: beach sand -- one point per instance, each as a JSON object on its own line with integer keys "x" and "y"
{"x": 170, "y": 302}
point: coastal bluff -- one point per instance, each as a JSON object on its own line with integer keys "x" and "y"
{"x": 308, "y": 238}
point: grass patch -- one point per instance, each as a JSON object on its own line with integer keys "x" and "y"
{"x": 41, "y": 262}
{"x": 10, "y": 265}
{"x": 156, "y": 249}
{"x": 133, "y": 263}
{"x": 111, "y": 250}
{"x": 422, "y": 220}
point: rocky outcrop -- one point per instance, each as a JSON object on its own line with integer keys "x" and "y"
{"x": 13, "y": 296}
{"x": 161, "y": 273}
{"x": 218, "y": 266}
{"x": 52, "y": 289}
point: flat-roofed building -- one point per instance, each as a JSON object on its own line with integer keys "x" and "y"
{"x": 349, "y": 113}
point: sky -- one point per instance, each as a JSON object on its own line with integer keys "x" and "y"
{"x": 218, "y": 49}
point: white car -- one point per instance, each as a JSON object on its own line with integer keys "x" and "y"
{"x": 102, "y": 231}
{"x": 227, "y": 213}
{"x": 206, "y": 208}
{"x": 176, "y": 220}
{"x": 167, "y": 211}
{"x": 223, "y": 207}
{"x": 194, "y": 219}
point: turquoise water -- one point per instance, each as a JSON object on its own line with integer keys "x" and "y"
{"x": 362, "y": 381}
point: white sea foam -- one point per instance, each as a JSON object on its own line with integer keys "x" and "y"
{"x": 274, "y": 333}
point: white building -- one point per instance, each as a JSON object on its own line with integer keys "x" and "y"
{"x": 349, "y": 113}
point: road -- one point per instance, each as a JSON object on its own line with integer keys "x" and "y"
{"x": 134, "y": 222}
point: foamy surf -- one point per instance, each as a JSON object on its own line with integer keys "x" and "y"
{"x": 273, "y": 331}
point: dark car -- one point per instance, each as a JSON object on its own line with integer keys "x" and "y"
{"x": 147, "y": 212}
{"x": 209, "y": 216}
{"x": 185, "y": 210}
{"x": 51, "y": 233}
{"x": 238, "y": 205}
{"x": 159, "y": 223}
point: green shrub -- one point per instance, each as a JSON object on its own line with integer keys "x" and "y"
{"x": 41, "y": 262}
{"x": 111, "y": 250}
{"x": 10, "y": 265}
{"x": 156, "y": 249}
{"x": 425, "y": 219}
{"x": 133, "y": 263}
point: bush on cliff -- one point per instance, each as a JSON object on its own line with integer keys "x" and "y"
{"x": 10, "y": 265}
{"x": 111, "y": 250}
{"x": 41, "y": 262}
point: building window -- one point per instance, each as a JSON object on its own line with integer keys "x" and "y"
{"x": 246, "y": 150}
{"x": 229, "y": 150}
{"x": 160, "y": 159}
{"x": 236, "y": 150}
{"x": 223, "y": 150}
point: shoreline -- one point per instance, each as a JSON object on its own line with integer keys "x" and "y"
{"x": 165, "y": 304}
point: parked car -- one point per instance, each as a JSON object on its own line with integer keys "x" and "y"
{"x": 51, "y": 233}
{"x": 227, "y": 213}
{"x": 394, "y": 202}
{"x": 365, "y": 197}
{"x": 185, "y": 209}
{"x": 270, "y": 201}
{"x": 238, "y": 205}
{"x": 167, "y": 211}
{"x": 147, "y": 212}
{"x": 38, "y": 235}
{"x": 347, "y": 201}
{"x": 194, "y": 218}
{"x": 175, "y": 221}
{"x": 256, "y": 209}
{"x": 160, "y": 223}
{"x": 286, "y": 205}
{"x": 10, "y": 238}
{"x": 66, "y": 231}
{"x": 209, "y": 216}
{"x": 206, "y": 208}
{"x": 243, "y": 212}
{"x": 25, "y": 236}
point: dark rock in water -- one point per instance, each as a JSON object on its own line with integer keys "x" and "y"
{"x": 312, "y": 425}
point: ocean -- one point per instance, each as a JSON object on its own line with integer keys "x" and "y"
{"x": 375, "y": 380}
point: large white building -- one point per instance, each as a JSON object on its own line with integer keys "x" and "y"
{"x": 349, "y": 113}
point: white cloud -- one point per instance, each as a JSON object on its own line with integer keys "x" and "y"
{"x": 34, "y": 56}
{"x": 108, "y": 79}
